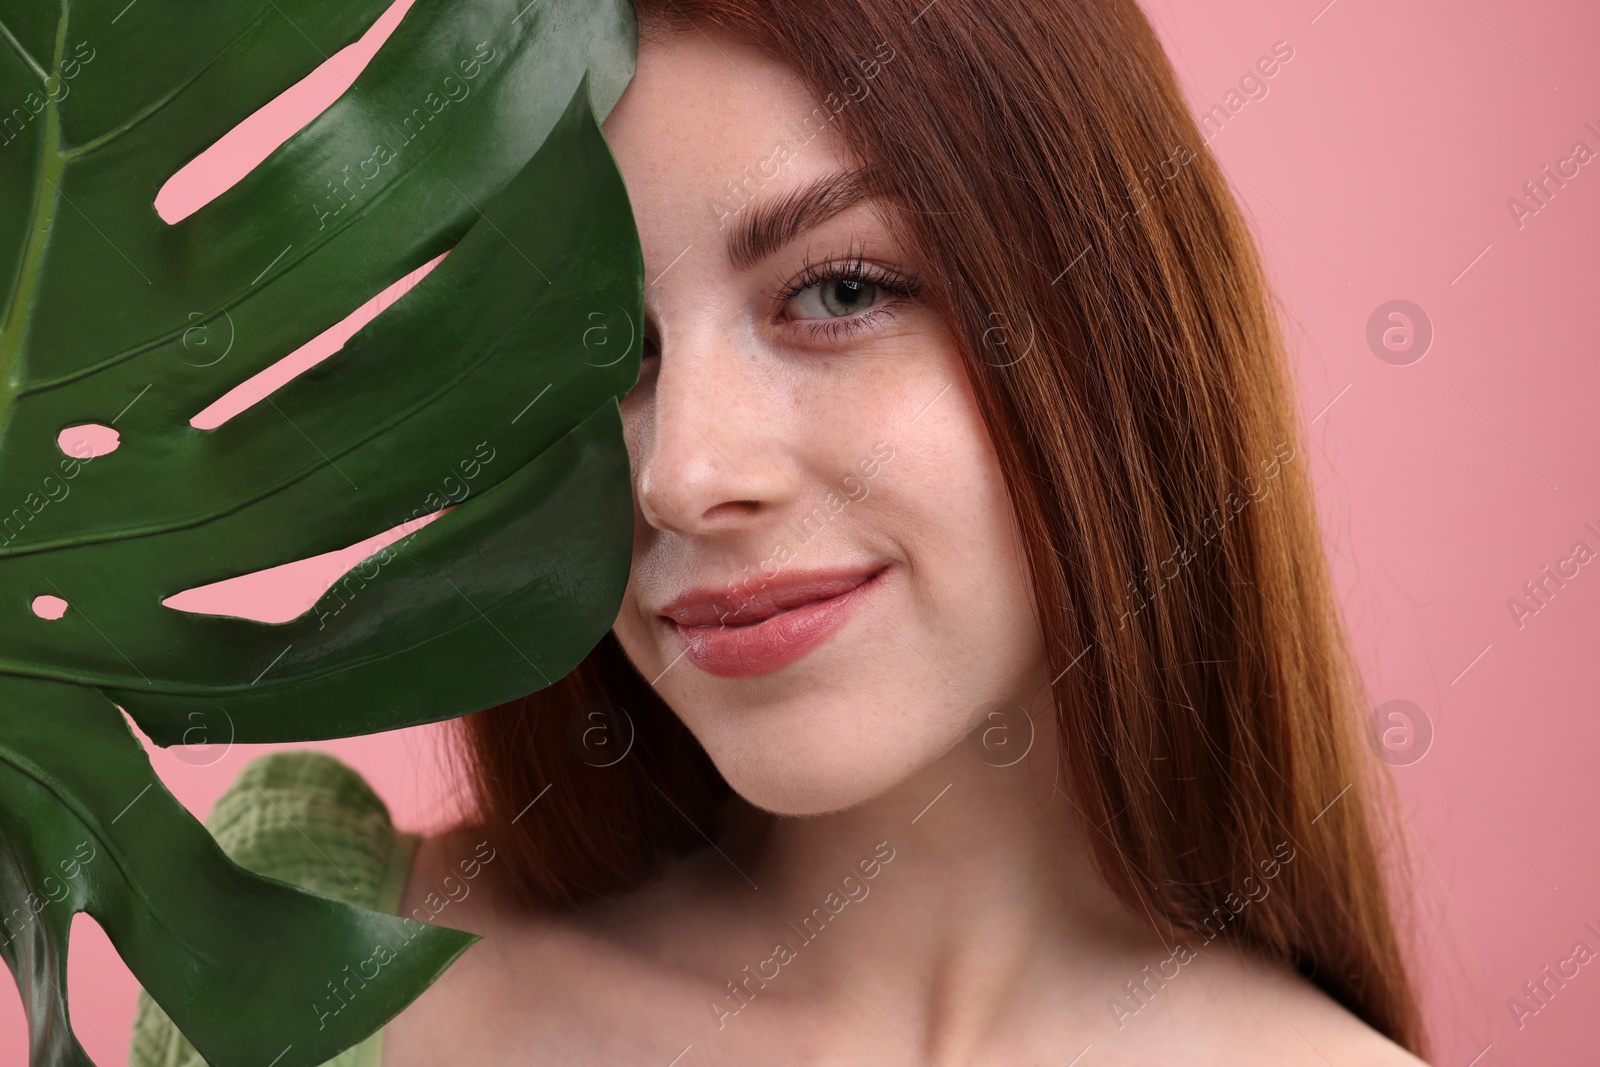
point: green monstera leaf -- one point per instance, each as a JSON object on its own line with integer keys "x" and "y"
{"x": 474, "y": 131}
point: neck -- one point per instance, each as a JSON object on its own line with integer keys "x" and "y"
{"x": 933, "y": 901}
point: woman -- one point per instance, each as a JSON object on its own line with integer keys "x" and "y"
{"x": 979, "y": 694}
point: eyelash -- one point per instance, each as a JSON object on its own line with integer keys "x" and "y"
{"x": 905, "y": 287}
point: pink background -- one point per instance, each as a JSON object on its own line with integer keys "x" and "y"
{"x": 1377, "y": 167}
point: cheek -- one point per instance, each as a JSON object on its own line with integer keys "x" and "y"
{"x": 634, "y": 634}
{"x": 965, "y": 543}
{"x": 633, "y": 629}
{"x": 948, "y": 463}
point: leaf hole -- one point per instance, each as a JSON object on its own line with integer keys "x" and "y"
{"x": 286, "y": 592}
{"x": 88, "y": 440}
{"x": 243, "y": 148}
{"x": 13, "y": 1029}
{"x": 102, "y": 991}
{"x": 49, "y": 607}
{"x": 269, "y": 380}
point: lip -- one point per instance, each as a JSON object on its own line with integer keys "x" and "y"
{"x": 776, "y": 626}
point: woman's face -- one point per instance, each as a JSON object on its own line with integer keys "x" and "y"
{"x": 806, "y": 450}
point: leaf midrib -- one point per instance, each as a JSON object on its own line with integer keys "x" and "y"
{"x": 52, "y": 165}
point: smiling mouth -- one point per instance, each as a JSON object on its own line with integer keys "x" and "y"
{"x": 706, "y": 606}
{"x": 791, "y": 622}
{"x": 734, "y": 622}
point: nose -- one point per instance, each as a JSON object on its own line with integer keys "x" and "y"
{"x": 706, "y": 438}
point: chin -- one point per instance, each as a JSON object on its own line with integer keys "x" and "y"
{"x": 794, "y": 792}
{"x": 806, "y": 766}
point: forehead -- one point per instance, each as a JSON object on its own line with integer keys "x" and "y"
{"x": 710, "y": 123}
{"x": 698, "y": 82}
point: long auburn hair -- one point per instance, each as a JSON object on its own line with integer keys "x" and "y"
{"x": 1124, "y": 351}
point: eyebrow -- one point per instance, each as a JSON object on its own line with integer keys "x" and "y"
{"x": 765, "y": 228}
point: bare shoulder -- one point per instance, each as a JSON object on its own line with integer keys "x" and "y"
{"x": 1233, "y": 1007}
{"x": 456, "y": 879}
{"x": 537, "y": 980}
{"x": 446, "y": 1023}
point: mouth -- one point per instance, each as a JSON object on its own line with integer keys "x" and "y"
{"x": 761, "y": 598}
{"x": 777, "y": 625}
